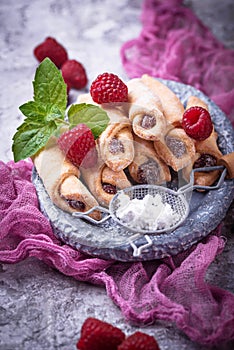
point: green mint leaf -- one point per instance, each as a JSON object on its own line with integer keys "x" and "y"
{"x": 33, "y": 110}
{"x": 93, "y": 116}
{"x": 30, "y": 138}
{"x": 39, "y": 111}
{"x": 42, "y": 122}
{"x": 49, "y": 86}
{"x": 44, "y": 115}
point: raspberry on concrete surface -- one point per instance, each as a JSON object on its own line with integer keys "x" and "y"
{"x": 99, "y": 335}
{"x": 74, "y": 74}
{"x": 52, "y": 49}
{"x": 139, "y": 341}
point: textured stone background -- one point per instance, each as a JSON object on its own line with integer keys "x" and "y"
{"x": 39, "y": 307}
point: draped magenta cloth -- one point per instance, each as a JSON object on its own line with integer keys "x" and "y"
{"x": 173, "y": 45}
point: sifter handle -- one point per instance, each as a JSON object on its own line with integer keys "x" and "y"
{"x": 85, "y": 215}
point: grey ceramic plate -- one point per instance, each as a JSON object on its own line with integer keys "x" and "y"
{"x": 111, "y": 241}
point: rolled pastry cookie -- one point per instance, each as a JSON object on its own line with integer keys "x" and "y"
{"x": 173, "y": 108}
{"x": 195, "y": 101}
{"x": 145, "y": 111}
{"x": 207, "y": 152}
{"x": 116, "y": 141}
{"x": 103, "y": 182}
{"x": 176, "y": 149}
{"x": 61, "y": 181}
{"x": 201, "y": 178}
{"x": 147, "y": 167}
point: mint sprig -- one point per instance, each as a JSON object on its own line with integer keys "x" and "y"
{"x": 45, "y": 115}
{"x": 93, "y": 116}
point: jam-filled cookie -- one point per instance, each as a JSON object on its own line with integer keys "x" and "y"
{"x": 62, "y": 182}
{"x": 172, "y": 107}
{"x": 176, "y": 149}
{"x": 103, "y": 182}
{"x": 147, "y": 167}
{"x": 145, "y": 111}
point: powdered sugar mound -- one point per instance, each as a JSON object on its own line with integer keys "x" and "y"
{"x": 149, "y": 213}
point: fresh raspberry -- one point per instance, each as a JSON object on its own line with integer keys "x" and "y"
{"x": 99, "y": 335}
{"x": 197, "y": 123}
{"x": 52, "y": 49}
{"x": 139, "y": 341}
{"x": 79, "y": 146}
{"x": 74, "y": 74}
{"x": 108, "y": 87}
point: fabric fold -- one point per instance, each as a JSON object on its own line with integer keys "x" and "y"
{"x": 175, "y": 45}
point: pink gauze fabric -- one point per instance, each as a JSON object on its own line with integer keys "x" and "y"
{"x": 172, "y": 289}
{"x": 175, "y": 45}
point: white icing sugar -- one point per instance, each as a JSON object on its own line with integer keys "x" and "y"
{"x": 149, "y": 213}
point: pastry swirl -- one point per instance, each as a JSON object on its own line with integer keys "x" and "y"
{"x": 172, "y": 107}
{"x": 147, "y": 167}
{"x": 145, "y": 111}
{"x": 176, "y": 149}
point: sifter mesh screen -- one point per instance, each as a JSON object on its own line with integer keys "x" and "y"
{"x": 177, "y": 202}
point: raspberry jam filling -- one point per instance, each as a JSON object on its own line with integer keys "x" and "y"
{"x": 176, "y": 146}
{"x": 115, "y": 146}
{"x": 205, "y": 160}
{"x": 76, "y": 204}
{"x": 148, "y": 121}
{"x": 108, "y": 188}
{"x": 148, "y": 172}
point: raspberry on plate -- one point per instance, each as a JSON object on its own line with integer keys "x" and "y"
{"x": 107, "y": 88}
{"x": 74, "y": 74}
{"x": 99, "y": 335}
{"x": 78, "y": 144}
{"x": 52, "y": 49}
{"x": 197, "y": 123}
{"x": 139, "y": 341}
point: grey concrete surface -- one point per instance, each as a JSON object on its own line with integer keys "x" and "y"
{"x": 39, "y": 307}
